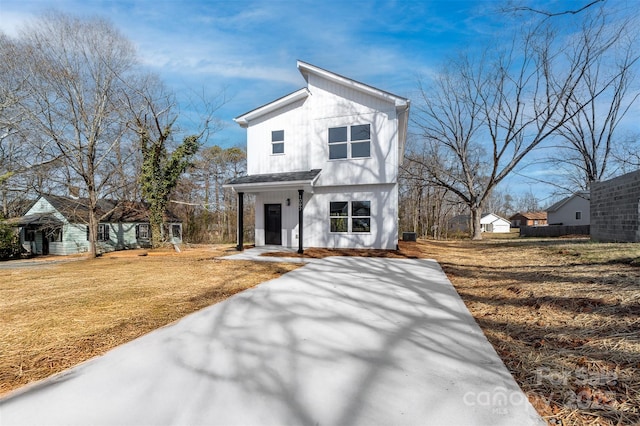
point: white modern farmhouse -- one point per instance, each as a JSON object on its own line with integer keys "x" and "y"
{"x": 323, "y": 165}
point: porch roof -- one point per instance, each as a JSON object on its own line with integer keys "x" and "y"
{"x": 275, "y": 181}
{"x": 36, "y": 219}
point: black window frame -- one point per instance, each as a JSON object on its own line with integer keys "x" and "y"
{"x": 350, "y": 217}
{"x": 139, "y": 234}
{"x": 339, "y": 216}
{"x": 361, "y": 219}
{"x": 174, "y": 234}
{"x": 103, "y": 232}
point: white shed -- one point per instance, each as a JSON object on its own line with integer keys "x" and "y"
{"x": 493, "y": 223}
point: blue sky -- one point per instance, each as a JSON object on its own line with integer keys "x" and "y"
{"x": 249, "y": 48}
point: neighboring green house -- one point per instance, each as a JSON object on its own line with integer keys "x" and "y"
{"x": 58, "y": 225}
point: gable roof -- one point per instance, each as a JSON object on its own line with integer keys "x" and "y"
{"x": 36, "y": 219}
{"x": 531, "y": 215}
{"x": 401, "y": 104}
{"x": 243, "y": 120}
{"x": 75, "y": 210}
{"x": 306, "y": 69}
{"x": 487, "y": 218}
{"x": 586, "y": 195}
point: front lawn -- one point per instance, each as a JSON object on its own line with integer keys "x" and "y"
{"x": 564, "y": 315}
{"x": 53, "y": 317}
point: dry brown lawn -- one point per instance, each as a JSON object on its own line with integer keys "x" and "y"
{"x": 55, "y": 316}
{"x": 563, "y": 314}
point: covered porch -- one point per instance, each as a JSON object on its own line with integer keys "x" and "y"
{"x": 37, "y": 231}
{"x": 280, "y": 206}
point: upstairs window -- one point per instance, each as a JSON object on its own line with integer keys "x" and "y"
{"x": 277, "y": 142}
{"x": 350, "y": 142}
{"x": 578, "y": 215}
{"x": 360, "y": 141}
{"x": 337, "y": 143}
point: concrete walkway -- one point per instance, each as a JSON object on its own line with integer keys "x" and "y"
{"x": 260, "y": 254}
{"x": 339, "y": 341}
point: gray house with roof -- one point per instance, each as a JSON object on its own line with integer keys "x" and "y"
{"x": 58, "y": 225}
{"x": 574, "y": 210}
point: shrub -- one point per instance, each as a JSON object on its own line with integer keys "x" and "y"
{"x": 9, "y": 241}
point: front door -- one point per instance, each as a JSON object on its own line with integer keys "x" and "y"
{"x": 45, "y": 243}
{"x": 273, "y": 224}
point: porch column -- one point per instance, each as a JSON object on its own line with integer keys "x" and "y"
{"x": 240, "y": 246}
{"x": 300, "y": 219}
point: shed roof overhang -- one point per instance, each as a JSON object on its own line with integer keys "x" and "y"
{"x": 42, "y": 220}
{"x": 304, "y": 180}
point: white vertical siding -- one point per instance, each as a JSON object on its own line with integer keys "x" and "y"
{"x": 306, "y": 124}
{"x": 260, "y": 160}
{"x": 289, "y": 216}
{"x": 384, "y": 217}
{"x": 383, "y": 235}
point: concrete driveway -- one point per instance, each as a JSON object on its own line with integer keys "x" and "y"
{"x": 340, "y": 341}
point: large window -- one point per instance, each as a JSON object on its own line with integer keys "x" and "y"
{"x": 339, "y": 213}
{"x": 350, "y": 142}
{"x": 142, "y": 232}
{"x": 361, "y": 216}
{"x": 103, "y": 232}
{"x": 277, "y": 142}
{"x": 54, "y": 235}
{"x": 354, "y": 216}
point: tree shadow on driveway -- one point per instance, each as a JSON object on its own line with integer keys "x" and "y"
{"x": 339, "y": 341}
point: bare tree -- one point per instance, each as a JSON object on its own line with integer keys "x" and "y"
{"x": 480, "y": 117}
{"x": 589, "y": 138}
{"x": 212, "y": 209}
{"x": 154, "y": 112}
{"x": 76, "y": 71}
{"x": 548, "y": 13}
{"x": 24, "y": 154}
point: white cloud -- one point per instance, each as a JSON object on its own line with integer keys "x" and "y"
{"x": 11, "y": 21}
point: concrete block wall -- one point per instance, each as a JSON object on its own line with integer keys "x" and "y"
{"x": 615, "y": 209}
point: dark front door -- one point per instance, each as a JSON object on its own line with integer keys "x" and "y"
{"x": 45, "y": 243}
{"x": 273, "y": 224}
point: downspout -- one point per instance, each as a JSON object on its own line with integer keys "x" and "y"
{"x": 240, "y": 246}
{"x": 300, "y": 220}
